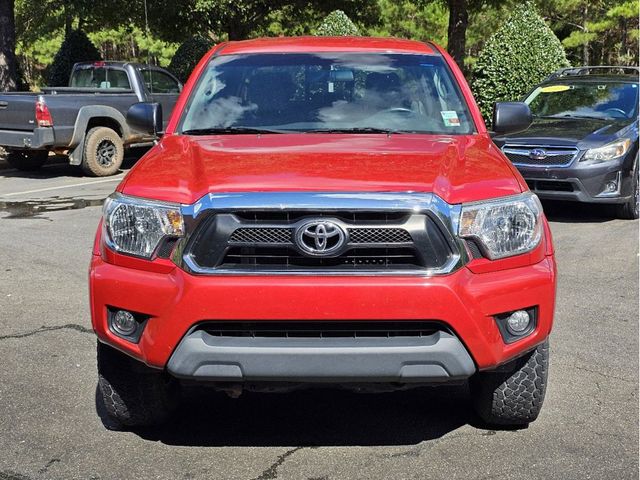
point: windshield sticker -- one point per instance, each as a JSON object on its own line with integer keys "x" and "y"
{"x": 555, "y": 88}
{"x": 450, "y": 118}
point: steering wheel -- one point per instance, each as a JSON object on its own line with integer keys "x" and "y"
{"x": 617, "y": 110}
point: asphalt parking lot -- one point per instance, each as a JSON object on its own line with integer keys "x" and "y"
{"x": 50, "y": 428}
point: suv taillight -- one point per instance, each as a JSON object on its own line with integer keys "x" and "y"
{"x": 43, "y": 115}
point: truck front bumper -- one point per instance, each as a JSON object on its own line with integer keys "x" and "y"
{"x": 435, "y": 358}
{"x": 176, "y": 302}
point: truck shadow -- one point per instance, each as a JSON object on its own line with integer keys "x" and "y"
{"x": 58, "y": 166}
{"x": 574, "y": 212}
{"x": 319, "y": 417}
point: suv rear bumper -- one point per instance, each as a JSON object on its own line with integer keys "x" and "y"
{"x": 435, "y": 358}
{"x": 465, "y": 302}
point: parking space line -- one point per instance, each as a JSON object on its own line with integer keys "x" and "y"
{"x": 27, "y": 192}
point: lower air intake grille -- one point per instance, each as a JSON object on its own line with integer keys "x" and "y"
{"x": 324, "y": 329}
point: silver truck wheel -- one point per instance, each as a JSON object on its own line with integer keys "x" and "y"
{"x": 103, "y": 152}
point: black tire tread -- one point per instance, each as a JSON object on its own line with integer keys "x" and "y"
{"x": 133, "y": 395}
{"x": 513, "y": 397}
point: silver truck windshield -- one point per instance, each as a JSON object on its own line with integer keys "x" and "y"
{"x": 351, "y": 92}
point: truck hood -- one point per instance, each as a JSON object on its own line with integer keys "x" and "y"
{"x": 457, "y": 168}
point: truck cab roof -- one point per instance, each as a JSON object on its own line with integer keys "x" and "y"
{"x": 309, "y": 44}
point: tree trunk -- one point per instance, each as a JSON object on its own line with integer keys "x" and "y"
{"x": 457, "y": 32}
{"x": 8, "y": 63}
{"x": 585, "y": 46}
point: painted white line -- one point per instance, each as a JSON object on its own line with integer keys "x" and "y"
{"x": 27, "y": 192}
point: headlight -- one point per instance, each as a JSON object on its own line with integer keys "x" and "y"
{"x": 503, "y": 228}
{"x": 136, "y": 226}
{"x": 611, "y": 151}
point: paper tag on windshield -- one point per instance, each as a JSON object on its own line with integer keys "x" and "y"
{"x": 450, "y": 118}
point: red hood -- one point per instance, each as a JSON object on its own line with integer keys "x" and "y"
{"x": 458, "y": 168}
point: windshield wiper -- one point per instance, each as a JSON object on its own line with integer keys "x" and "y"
{"x": 230, "y": 131}
{"x": 353, "y": 130}
{"x": 590, "y": 117}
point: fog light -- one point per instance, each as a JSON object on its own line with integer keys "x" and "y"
{"x": 611, "y": 187}
{"x": 124, "y": 323}
{"x": 518, "y": 322}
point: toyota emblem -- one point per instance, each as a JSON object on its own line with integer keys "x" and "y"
{"x": 320, "y": 238}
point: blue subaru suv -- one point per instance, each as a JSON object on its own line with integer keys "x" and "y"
{"x": 583, "y": 142}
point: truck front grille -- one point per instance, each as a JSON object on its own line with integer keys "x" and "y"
{"x": 249, "y": 242}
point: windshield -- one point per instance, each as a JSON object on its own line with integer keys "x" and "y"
{"x": 588, "y": 99}
{"x": 324, "y": 92}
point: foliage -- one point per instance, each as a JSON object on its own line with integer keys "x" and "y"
{"x": 426, "y": 21}
{"x": 187, "y": 57}
{"x": 596, "y": 32}
{"x": 337, "y": 24}
{"x": 519, "y": 55}
{"x": 76, "y": 48}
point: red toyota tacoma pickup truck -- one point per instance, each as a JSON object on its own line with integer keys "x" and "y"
{"x": 323, "y": 211}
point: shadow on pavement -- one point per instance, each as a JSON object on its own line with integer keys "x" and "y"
{"x": 58, "y": 166}
{"x": 319, "y": 417}
{"x": 574, "y": 212}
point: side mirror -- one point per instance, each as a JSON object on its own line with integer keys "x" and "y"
{"x": 511, "y": 117}
{"x": 145, "y": 117}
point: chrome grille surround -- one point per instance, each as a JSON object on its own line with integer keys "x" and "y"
{"x": 443, "y": 216}
{"x": 556, "y": 156}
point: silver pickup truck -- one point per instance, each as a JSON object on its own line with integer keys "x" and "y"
{"x": 85, "y": 120}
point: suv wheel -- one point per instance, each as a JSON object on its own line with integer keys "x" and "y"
{"x": 27, "y": 161}
{"x": 631, "y": 209}
{"x": 103, "y": 152}
{"x": 513, "y": 397}
{"x": 133, "y": 394}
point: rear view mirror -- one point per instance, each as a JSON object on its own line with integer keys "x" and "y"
{"x": 145, "y": 117}
{"x": 511, "y": 117}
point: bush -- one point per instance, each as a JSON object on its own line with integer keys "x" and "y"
{"x": 337, "y": 24}
{"x": 75, "y": 48}
{"x": 187, "y": 57}
{"x": 518, "y": 56}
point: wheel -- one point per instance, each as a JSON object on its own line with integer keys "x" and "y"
{"x": 630, "y": 209}
{"x": 27, "y": 161}
{"x": 133, "y": 394}
{"x": 514, "y": 396}
{"x": 103, "y": 152}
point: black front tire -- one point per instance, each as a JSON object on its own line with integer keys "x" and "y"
{"x": 514, "y": 395}
{"x": 27, "y": 161}
{"x": 133, "y": 394}
{"x": 631, "y": 209}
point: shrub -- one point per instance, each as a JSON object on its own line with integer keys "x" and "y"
{"x": 75, "y": 48}
{"x": 187, "y": 57}
{"x": 337, "y": 24}
{"x": 518, "y": 56}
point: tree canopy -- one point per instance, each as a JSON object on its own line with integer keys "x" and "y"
{"x": 519, "y": 55}
{"x": 591, "y": 31}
